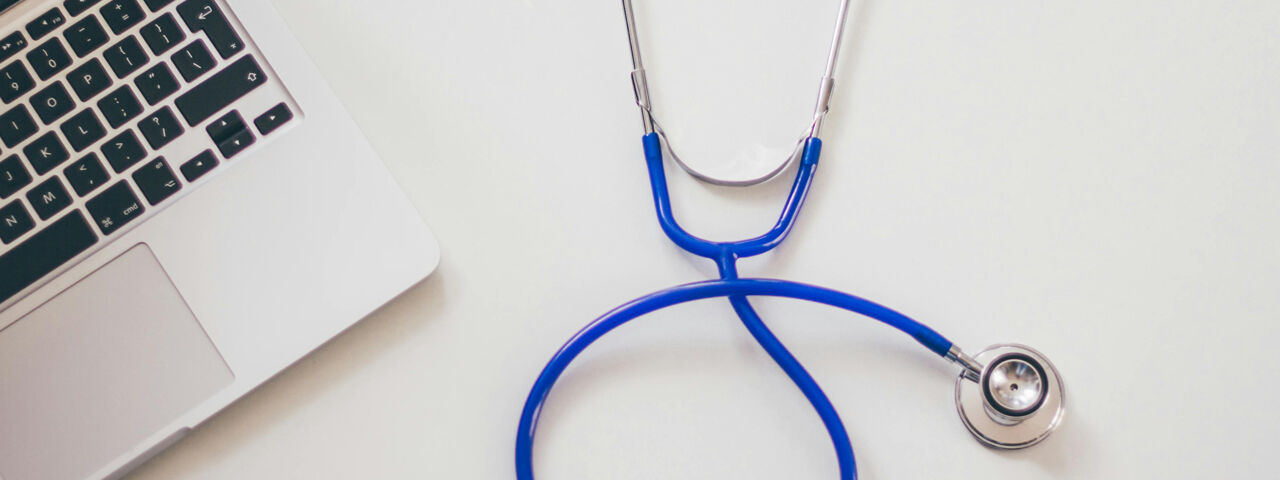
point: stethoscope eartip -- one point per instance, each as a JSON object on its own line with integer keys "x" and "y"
{"x": 1015, "y": 402}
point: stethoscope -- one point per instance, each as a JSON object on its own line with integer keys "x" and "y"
{"x": 1008, "y": 396}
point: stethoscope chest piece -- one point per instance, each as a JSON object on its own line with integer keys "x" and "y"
{"x": 1016, "y": 401}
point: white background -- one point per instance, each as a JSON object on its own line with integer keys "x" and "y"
{"x": 1092, "y": 178}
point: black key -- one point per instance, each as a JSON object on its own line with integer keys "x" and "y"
{"x": 194, "y": 60}
{"x": 49, "y": 198}
{"x": 120, "y": 106}
{"x": 157, "y": 83}
{"x": 163, "y": 34}
{"x": 86, "y": 174}
{"x": 115, "y": 207}
{"x": 156, "y": 5}
{"x": 236, "y": 143}
{"x": 273, "y": 119}
{"x": 124, "y": 151}
{"x": 220, "y": 90}
{"x": 16, "y": 125}
{"x": 43, "y": 253}
{"x": 76, "y": 7}
{"x": 199, "y": 166}
{"x": 46, "y": 153}
{"x": 156, "y": 180}
{"x": 11, "y": 45}
{"x": 15, "y": 81}
{"x": 49, "y": 58}
{"x": 13, "y": 176}
{"x": 83, "y": 130}
{"x": 225, "y": 127}
{"x": 86, "y": 36}
{"x": 160, "y": 128}
{"x": 52, "y": 103}
{"x": 46, "y": 23}
{"x": 122, "y": 14}
{"x": 126, "y": 57}
{"x": 89, "y": 80}
{"x": 205, "y": 16}
{"x": 14, "y": 222}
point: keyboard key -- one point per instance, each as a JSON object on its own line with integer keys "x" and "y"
{"x": 17, "y": 82}
{"x": 45, "y": 23}
{"x": 194, "y": 60}
{"x": 163, "y": 34}
{"x": 220, "y": 90}
{"x": 52, "y": 103}
{"x": 156, "y": 180}
{"x": 156, "y": 5}
{"x": 76, "y": 7}
{"x": 11, "y": 45}
{"x": 49, "y": 198}
{"x": 89, "y": 80}
{"x": 200, "y": 165}
{"x": 13, "y": 176}
{"x": 47, "y": 250}
{"x": 14, "y": 223}
{"x": 122, "y": 15}
{"x": 126, "y": 57}
{"x": 120, "y": 106}
{"x": 225, "y": 126}
{"x": 156, "y": 84}
{"x": 123, "y": 151}
{"x": 160, "y": 128}
{"x": 86, "y": 174}
{"x": 83, "y": 130}
{"x": 115, "y": 207}
{"x": 49, "y": 58}
{"x": 16, "y": 125}
{"x": 236, "y": 143}
{"x": 46, "y": 153}
{"x": 273, "y": 119}
{"x": 86, "y": 36}
{"x": 205, "y": 16}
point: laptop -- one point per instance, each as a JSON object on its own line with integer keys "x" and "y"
{"x": 185, "y": 211}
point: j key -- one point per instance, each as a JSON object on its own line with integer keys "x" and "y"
{"x": 52, "y": 103}
{"x": 157, "y": 84}
{"x": 236, "y": 143}
{"x": 123, "y": 151}
{"x": 120, "y": 106}
{"x": 13, "y": 176}
{"x": 156, "y": 5}
{"x": 49, "y": 198}
{"x": 11, "y": 45}
{"x": 86, "y": 36}
{"x": 194, "y": 60}
{"x": 122, "y": 14}
{"x": 76, "y": 7}
{"x": 273, "y": 119}
{"x": 156, "y": 180}
{"x": 205, "y": 16}
{"x": 225, "y": 126}
{"x": 115, "y": 207}
{"x": 126, "y": 57}
{"x": 220, "y": 90}
{"x": 16, "y": 125}
{"x": 89, "y": 80}
{"x": 14, "y": 222}
{"x": 45, "y": 23}
{"x": 15, "y": 81}
{"x": 163, "y": 34}
{"x": 44, "y": 252}
{"x": 49, "y": 58}
{"x": 83, "y": 130}
{"x": 160, "y": 128}
{"x": 86, "y": 174}
{"x": 199, "y": 166}
{"x": 46, "y": 153}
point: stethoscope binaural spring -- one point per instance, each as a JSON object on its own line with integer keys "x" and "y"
{"x": 1008, "y": 396}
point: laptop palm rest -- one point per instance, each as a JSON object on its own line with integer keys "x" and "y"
{"x": 98, "y": 369}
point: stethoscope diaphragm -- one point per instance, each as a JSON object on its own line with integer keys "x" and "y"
{"x": 1016, "y": 401}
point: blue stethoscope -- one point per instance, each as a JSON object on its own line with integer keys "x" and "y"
{"x": 1008, "y": 396}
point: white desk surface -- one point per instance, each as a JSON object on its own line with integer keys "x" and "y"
{"x": 1095, "y": 179}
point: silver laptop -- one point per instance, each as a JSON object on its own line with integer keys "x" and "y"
{"x": 185, "y": 210}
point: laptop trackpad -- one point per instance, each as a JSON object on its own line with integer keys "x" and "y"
{"x": 99, "y": 368}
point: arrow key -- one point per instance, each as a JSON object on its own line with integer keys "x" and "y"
{"x": 273, "y": 119}
{"x": 236, "y": 143}
{"x": 199, "y": 166}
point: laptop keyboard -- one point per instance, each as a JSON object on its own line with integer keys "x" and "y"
{"x": 113, "y": 110}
